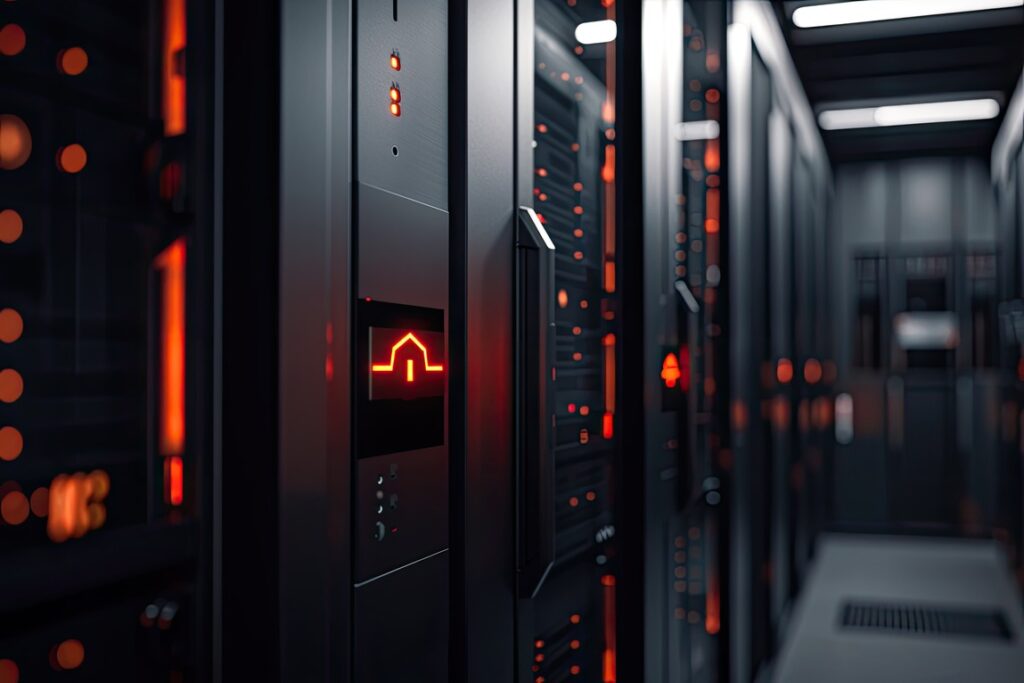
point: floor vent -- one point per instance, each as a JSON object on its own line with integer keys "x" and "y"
{"x": 925, "y": 620}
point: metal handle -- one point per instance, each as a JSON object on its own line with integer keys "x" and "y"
{"x": 535, "y": 334}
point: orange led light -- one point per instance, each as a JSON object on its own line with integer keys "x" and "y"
{"x": 784, "y": 371}
{"x": 174, "y": 67}
{"x": 395, "y": 61}
{"x": 409, "y": 372}
{"x": 175, "y": 480}
{"x": 670, "y": 370}
{"x": 171, "y": 263}
{"x": 395, "y": 94}
{"x": 396, "y": 109}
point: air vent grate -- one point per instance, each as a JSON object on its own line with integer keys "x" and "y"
{"x": 925, "y": 620}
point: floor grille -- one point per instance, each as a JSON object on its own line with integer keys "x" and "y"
{"x": 925, "y": 620}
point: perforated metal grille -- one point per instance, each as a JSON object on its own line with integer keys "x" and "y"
{"x": 925, "y": 620}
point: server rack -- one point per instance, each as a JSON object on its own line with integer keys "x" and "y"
{"x": 106, "y": 262}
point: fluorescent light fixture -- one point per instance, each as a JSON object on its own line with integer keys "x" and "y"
{"x": 696, "y": 130}
{"x": 839, "y": 13}
{"x": 604, "y": 31}
{"x": 909, "y": 114}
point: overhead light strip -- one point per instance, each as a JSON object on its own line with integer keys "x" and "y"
{"x": 909, "y": 114}
{"x": 863, "y": 11}
{"x": 594, "y": 32}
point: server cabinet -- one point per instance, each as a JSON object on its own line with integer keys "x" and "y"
{"x": 567, "y": 623}
{"x": 684, "y": 328}
{"x": 105, "y": 310}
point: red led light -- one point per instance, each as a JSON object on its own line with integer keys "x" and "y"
{"x": 175, "y": 480}
{"x": 395, "y": 94}
{"x": 395, "y": 61}
{"x": 396, "y": 109}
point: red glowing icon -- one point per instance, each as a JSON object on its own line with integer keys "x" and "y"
{"x": 410, "y": 372}
{"x": 411, "y": 369}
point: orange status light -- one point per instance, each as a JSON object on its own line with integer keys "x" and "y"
{"x": 395, "y": 61}
{"x": 670, "y": 370}
{"x": 395, "y": 94}
{"x": 175, "y": 480}
{"x": 174, "y": 67}
{"x": 395, "y": 109}
{"x": 812, "y": 371}
{"x": 171, "y": 263}
{"x": 410, "y": 375}
{"x": 784, "y": 371}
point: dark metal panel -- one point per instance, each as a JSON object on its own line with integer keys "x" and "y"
{"x": 482, "y": 207}
{"x": 314, "y": 460}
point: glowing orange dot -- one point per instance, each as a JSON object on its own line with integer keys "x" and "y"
{"x": 395, "y": 62}
{"x": 574, "y": 502}
{"x": 10, "y": 226}
{"x": 575, "y": 146}
{"x": 578, "y": 210}
{"x": 9, "y": 671}
{"x": 538, "y": 644}
{"x": 584, "y": 410}
{"x": 11, "y": 325}
{"x": 11, "y": 443}
{"x": 40, "y": 501}
{"x": 712, "y": 95}
{"x": 539, "y": 657}
{"x": 578, "y": 186}
{"x": 578, "y": 232}
{"x": 100, "y": 483}
{"x": 563, "y": 298}
{"x": 15, "y": 142}
{"x": 784, "y": 371}
{"x": 14, "y": 508}
{"x": 577, "y": 356}
{"x": 396, "y": 109}
{"x": 574, "y": 619}
{"x": 72, "y": 158}
{"x": 97, "y": 515}
{"x": 577, "y": 330}
{"x": 70, "y": 654}
{"x": 578, "y": 255}
{"x": 542, "y": 172}
{"x": 11, "y": 385}
{"x": 395, "y": 94}
{"x": 72, "y": 61}
{"x": 591, "y": 496}
{"x": 574, "y": 669}
{"x": 542, "y": 128}
{"x": 575, "y": 644}
{"x": 812, "y": 371}
{"x": 12, "y": 40}
{"x": 584, "y": 303}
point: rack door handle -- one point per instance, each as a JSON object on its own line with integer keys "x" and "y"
{"x": 535, "y": 339}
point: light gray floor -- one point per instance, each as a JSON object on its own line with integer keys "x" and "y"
{"x": 932, "y": 571}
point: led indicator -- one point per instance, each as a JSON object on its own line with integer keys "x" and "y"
{"x": 411, "y": 370}
{"x": 395, "y": 94}
{"x": 396, "y": 109}
{"x": 395, "y": 61}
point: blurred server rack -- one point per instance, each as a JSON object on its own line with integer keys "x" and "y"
{"x": 685, "y": 361}
{"x": 106, "y": 354}
{"x": 780, "y": 410}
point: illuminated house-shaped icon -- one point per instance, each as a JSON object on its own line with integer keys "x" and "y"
{"x": 415, "y": 349}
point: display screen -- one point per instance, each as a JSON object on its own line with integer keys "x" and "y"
{"x": 402, "y": 373}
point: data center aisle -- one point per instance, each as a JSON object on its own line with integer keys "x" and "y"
{"x": 905, "y": 609}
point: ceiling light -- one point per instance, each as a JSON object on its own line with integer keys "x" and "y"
{"x": 835, "y": 14}
{"x": 591, "y": 32}
{"x": 696, "y": 130}
{"x": 909, "y": 114}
